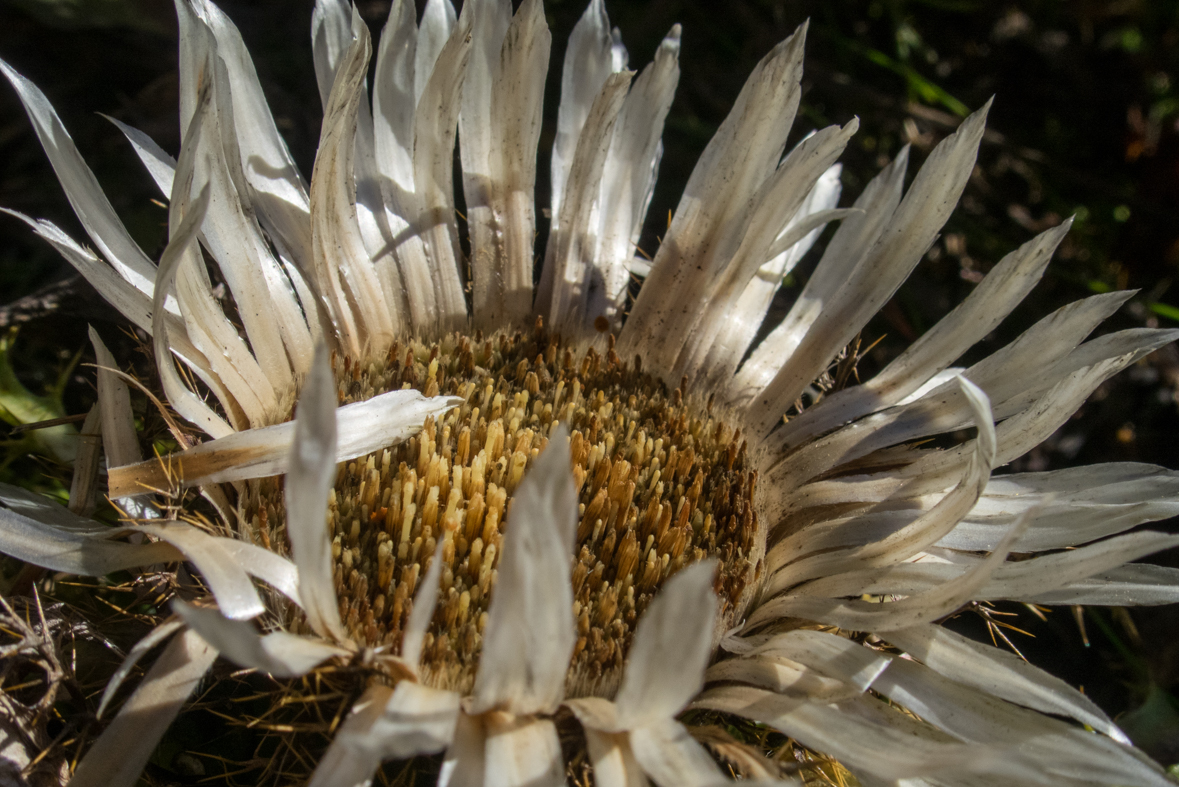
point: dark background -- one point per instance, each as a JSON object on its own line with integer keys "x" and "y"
{"x": 1084, "y": 123}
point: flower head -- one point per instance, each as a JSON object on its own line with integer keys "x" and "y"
{"x": 516, "y": 506}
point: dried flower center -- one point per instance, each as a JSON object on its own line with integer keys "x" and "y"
{"x": 661, "y": 484}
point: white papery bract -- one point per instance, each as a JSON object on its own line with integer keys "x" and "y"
{"x": 848, "y": 504}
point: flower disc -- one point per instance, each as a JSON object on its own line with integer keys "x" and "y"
{"x": 662, "y": 483}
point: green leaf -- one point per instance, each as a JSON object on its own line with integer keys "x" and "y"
{"x": 1164, "y": 310}
{"x": 928, "y": 91}
{"x": 19, "y": 406}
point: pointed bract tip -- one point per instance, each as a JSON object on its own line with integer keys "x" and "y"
{"x": 422, "y": 612}
{"x": 1054, "y": 235}
{"x": 597, "y": 8}
{"x": 319, "y": 387}
{"x": 618, "y": 52}
{"x": 19, "y": 82}
{"x": 670, "y": 45}
{"x": 975, "y": 123}
{"x": 359, "y": 28}
{"x": 792, "y": 46}
{"x": 798, "y": 37}
{"x": 972, "y": 390}
{"x": 980, "y": 115}
{"x": 696, "y": 574}
{"x": 559, "y": 434}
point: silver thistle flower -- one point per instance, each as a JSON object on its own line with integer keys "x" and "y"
{"x": 652, "y": 559}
